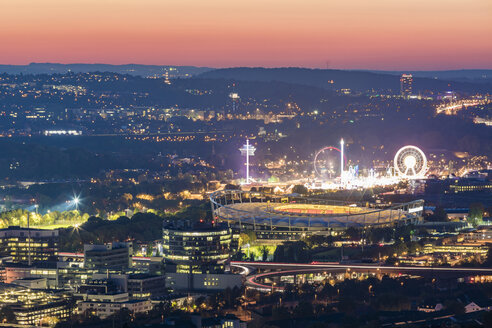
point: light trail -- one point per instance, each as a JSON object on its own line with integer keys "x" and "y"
{"x": 251, "y": 280}
{"x": 332, "y": 265}
{"x": 245, "y": 270}
{"x": 314, "y": 267}
{"x": 453, "y": 107}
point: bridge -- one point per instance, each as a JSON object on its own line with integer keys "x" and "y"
{"x": 272, "y": 269}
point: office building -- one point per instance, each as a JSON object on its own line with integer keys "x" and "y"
{"x": 111, "y": 256}
{"x": 470, "y": 185}
{"x": 146, "y": 286}
{"x": 13, "y": 272}
{"x": 36, "y": 307}
{"x": 24, "y": 244}
{"x": 103, "y": 297}
{"x": 199, "y": 248}
{"x": 459, "y": 185}
{"x": 137, "y": 285}
{"x": 104, "y": 305}
{"x": 197, "y": 257}
{"x": 202, "y": 282}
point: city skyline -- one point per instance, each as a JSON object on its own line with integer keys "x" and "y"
{"x": 408, "y": 35}
{"x": 245, "y": 164}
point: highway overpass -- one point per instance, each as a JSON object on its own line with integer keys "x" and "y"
{"x": 256, "y": 271}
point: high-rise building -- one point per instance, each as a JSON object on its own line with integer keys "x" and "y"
{"x": 201, "y": 248}
{"x": 197, "y": 257}
{"x": 25, "y": 245}
{"x": 406, "y": 85}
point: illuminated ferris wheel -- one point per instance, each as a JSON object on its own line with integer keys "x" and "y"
{"x": 327, "y": 162}
{"x": 410, "y": 162}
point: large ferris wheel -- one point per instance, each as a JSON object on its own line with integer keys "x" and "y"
{"x": 327, "y": 162}
{"x": 410, "y": 162}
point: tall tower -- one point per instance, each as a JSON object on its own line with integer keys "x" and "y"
{"x": 341, "y": 158}
{"x": 247, "y": 150}
{"x": 166, "y": 78}
{"x": 235, "y": 98}
{"x": 406, "y": 85}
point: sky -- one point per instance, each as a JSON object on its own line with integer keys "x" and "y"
{"x": 347, "y": 34}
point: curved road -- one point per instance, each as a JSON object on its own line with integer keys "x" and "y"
{"x": 301, "y": 268}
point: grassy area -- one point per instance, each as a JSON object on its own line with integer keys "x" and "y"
{"x": 257, "y": 251}
{"x": 57, "y": 225}
{"x": 53, "y": 226}
{"x": 334, "y": 254}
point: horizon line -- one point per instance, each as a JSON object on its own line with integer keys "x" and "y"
{"x": 253, "y": 66}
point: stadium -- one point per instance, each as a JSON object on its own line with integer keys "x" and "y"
{"x": 291, "y": 216}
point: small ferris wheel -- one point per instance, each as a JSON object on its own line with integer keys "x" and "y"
{"x": 410, "y": 162}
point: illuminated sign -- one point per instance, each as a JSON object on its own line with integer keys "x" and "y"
{"x": 62, "y": 132}
{"x": 416, "y": 209}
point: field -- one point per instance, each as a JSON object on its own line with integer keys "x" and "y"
{"x": 55, "y": 226}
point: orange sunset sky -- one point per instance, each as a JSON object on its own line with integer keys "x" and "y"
{"x": 373, "y": 34}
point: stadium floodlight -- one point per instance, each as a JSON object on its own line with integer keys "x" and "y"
{"x": 76, "y": 201}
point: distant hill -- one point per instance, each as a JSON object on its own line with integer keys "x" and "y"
{"x": 355, "y": 80}
{"x": 132, "y": 69}
{"x": 360, "y": 80}
{"x": 464, "y": 75}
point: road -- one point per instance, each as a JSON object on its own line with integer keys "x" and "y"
{"x": 279, "y": 269}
